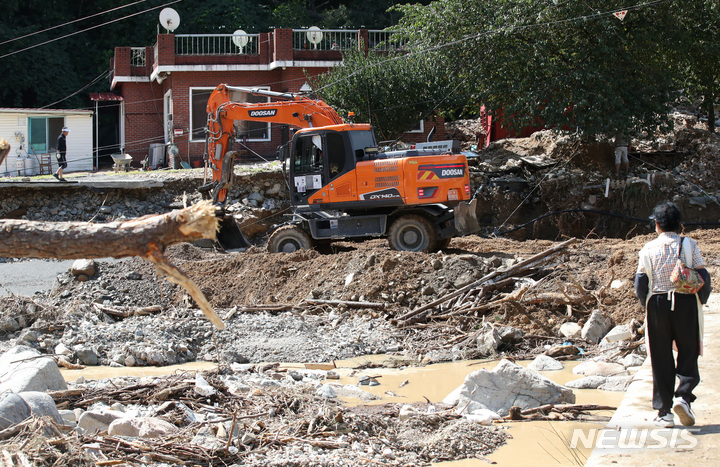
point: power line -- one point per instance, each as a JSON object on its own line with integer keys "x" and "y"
{"x": 87, "y": 29}
{"x": 69, "y": 22}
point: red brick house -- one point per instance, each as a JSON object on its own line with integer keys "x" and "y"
{"x": 164, "y": 88}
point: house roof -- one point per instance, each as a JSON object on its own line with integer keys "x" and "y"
{"x": 44, "y": 111}
{"x": 104, "y": 96}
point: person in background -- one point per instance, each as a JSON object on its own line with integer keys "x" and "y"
{"x": 61, "y": 151}
{"x": 671, "y": 317}
{"x": 621, "y": 154}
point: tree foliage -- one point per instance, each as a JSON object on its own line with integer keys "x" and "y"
{"x": 392, "y": 91}
{"x": 566, "y": 64}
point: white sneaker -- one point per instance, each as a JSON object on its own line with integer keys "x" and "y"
{"x": 664, "y": 421}
{"x": 683, "y": 411}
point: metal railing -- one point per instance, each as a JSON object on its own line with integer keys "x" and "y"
{"x": 137, "y": 56}
{"x": 216, "y": 44}
{"x": 381, "y": 40}
{"x": 324, "y": 39}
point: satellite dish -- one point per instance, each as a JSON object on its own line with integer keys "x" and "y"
{"x": 314, "y": 36}
{"x": 240, "y": 39}
{"x": 169, "y": 19}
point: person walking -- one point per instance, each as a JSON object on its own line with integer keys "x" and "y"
{"x": 61, "y": 151}
{"x": 671, "y": 317}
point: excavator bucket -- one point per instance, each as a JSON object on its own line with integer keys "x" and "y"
{"x": 229, "y": 236}
{"x": 466, "y": 221}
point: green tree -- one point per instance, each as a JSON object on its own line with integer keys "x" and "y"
{"x": 390, "y": 91}
{"x": 565, "y": 64}
{"x": 696, "y": 51}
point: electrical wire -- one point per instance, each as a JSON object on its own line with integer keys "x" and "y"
{"x": 70, "y": 22}
{"x": 87, "y": 29}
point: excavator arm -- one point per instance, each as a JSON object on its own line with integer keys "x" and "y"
{"x": 292, "y": 109}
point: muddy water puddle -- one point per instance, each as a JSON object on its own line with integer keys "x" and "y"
{"x": 540, "y": 442}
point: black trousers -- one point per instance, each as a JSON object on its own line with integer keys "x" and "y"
{"x": 663, "y": 327}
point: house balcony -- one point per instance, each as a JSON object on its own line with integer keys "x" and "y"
{"x": 253, "y": 52}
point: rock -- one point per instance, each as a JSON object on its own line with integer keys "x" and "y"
{"x": 83, "y": 266}
{"x": 595, "y": 368}
{"x": 24, "y": 371}
{"x": 350, "y": 390}
{"x": 407, "y": 411}
{"x": 511, "y": 335}
{"x": 570, "y": 330}
{"x": 87, "y": 355}
{"x": 596, "y": 327}
{"x": 616, "y": 383}
{"x": 9, "y": 324}
{"x": 97, "y": 420}
{"x": 508, "y": 384}
{"x": 205, "y": 438}
{"x": 489, "y": 340}
{"x": 482, "y": 416}
{"x": 13, "y": 409}
{"x": 588, "y": 382}
{"x": 41, "y": 405}
{"x": 141, "y": 427}
{"x": 326, "y": 391}
{"x": 618, "y": 333}
{"x": 632, "y": 359}
{"x": 545, "y": 363}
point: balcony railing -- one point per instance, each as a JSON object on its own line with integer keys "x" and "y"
{"x": 216, "y": 44}
{"x": 324, "y": 39}
{"x": 137, "y": 56}
{"x": 380, "y": 40}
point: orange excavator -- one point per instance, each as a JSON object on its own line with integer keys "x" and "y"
{"x": 340, "y": 184}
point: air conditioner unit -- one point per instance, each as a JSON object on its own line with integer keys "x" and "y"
{"x": 156, "y": 155}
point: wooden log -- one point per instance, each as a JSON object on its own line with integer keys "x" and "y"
{"x": 146, "y": 237}
{"x": 137, "y": 237}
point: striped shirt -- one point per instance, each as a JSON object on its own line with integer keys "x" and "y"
{"x": 663, "y": 253}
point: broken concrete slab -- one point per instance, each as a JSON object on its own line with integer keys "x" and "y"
{"x": 508, "y": 384}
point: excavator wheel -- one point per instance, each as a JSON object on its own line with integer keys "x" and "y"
{"x": 443, "y": 244}
{"x": 288, "y": 239}
{"x": 412, "y": 233}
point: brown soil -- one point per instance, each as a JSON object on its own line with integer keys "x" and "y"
{"x": 404, "y": 281}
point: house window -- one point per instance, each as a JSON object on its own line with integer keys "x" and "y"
{"x": 419, "y": 128}
{"x": 252, "y": 131}
{"x": 43, "y": 133}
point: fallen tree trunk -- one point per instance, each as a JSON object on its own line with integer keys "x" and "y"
{"x": 146, "y": 237}
{"x": 136, "y": 237}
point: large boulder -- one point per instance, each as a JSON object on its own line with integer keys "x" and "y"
{"x": 25, "y": 370}
{"x": 507, "y": 385}
{"x": 42, "y": 405}
{"x": 13, "y": 409}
